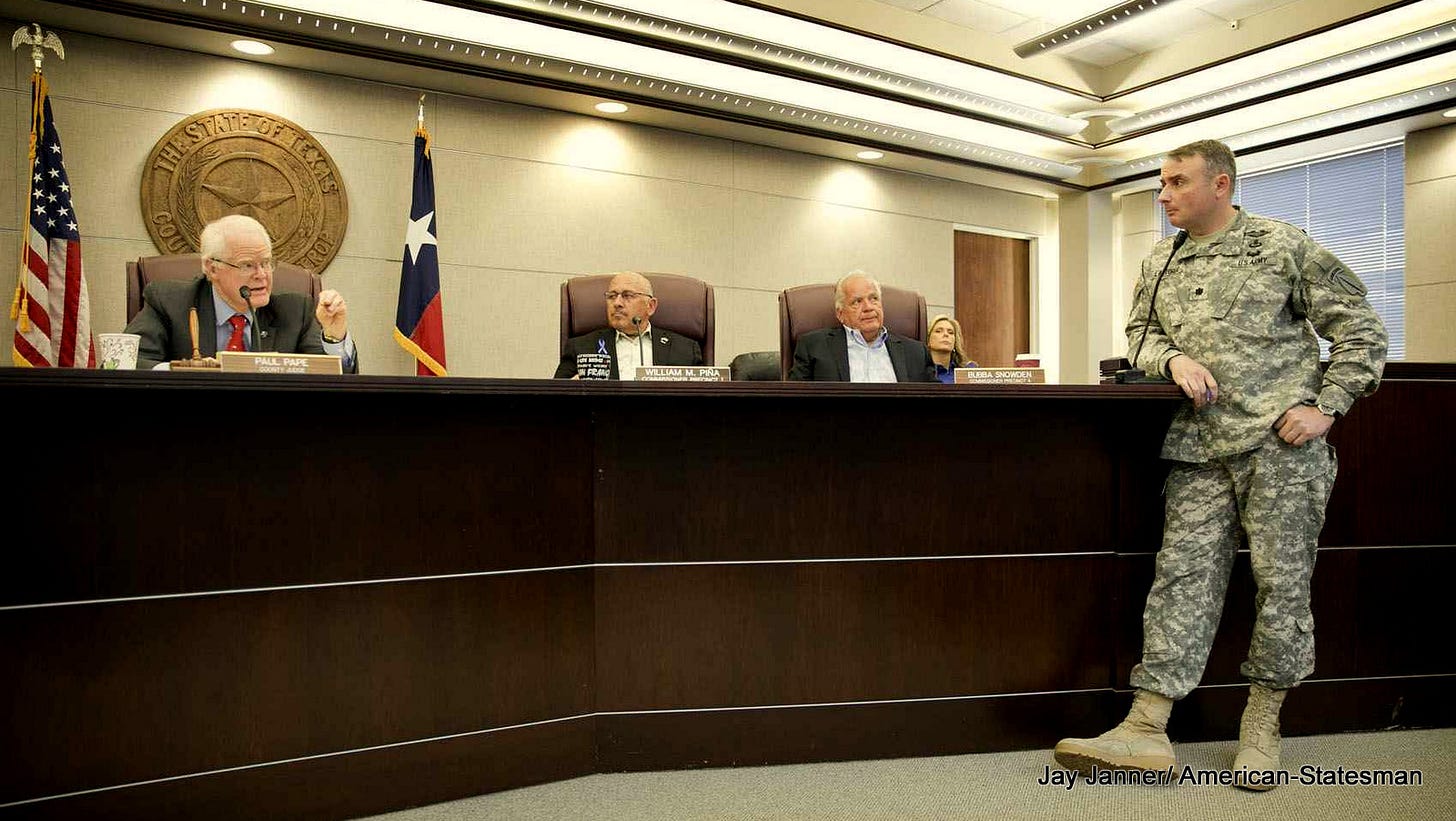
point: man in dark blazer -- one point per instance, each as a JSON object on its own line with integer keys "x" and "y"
{"x": 237, "y": 252}
{"x": 629, "y": 337}
{"x": 860, "y": 349}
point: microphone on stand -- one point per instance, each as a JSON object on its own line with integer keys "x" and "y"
{"x": 1133, "y": 373}
{"x": 637, "y": 323}
{"x": 245, "y": 292}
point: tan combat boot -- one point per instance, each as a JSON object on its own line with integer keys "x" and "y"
{"x": 1256, "y": 764}
{"x": 1140, "y": 742}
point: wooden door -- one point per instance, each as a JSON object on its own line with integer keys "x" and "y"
{"x": 993, "y": 296}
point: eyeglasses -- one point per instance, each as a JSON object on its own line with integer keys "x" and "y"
{"x": 627, "y": 295}
{"x": 248, "y": 268}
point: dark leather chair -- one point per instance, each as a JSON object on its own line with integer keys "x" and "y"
{"x": 287, "y": 277}
{"x": 755, "y": 366}
{"x": 684, "y": 305}
{"x": 805, "y": 308}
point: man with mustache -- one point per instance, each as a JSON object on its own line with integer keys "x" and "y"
{"x": 629, "y": 340}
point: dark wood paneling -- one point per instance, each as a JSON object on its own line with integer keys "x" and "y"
{"x": 730, "y": 479}
{"x": 724, "y": 636}
{"x": 1395, "y": 453}
{"x": 347, "y": 488}
{"x": 846, "y": 732}
{"x": 993, "y": 296}
{"x": 348, "y": 786}
{"x": 113, "y": 693}
{"x": 379, "y": 477}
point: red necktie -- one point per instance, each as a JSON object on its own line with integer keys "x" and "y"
{"x": 235, "y": 342}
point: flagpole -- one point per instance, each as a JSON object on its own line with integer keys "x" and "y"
{"x": 419, "y": 325}
{"x": 51, "y": 307}
{"x": 38, "y": 42}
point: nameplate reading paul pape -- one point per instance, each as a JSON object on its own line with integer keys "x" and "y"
{"x": 681, "y": 373}
{"x": 1000, "y": 376}
{"x": 272, "y": 362}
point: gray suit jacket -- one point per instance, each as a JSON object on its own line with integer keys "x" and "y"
{"x": 823, "y": 356}
{"x": 285, "y": 324}
{"x": 668, "y": 348}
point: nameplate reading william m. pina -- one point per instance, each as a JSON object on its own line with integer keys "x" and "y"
{"x": 681, "y": 373}
{"x": 1000, "y": 376}
{"x": 274, "y": 362}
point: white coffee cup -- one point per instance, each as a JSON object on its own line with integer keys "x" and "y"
{"x": 119, "y": 351}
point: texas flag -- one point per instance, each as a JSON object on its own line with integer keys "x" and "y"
{"x": 419, "y": 322}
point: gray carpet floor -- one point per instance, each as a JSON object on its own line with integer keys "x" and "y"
{"x": 997, "y": 785}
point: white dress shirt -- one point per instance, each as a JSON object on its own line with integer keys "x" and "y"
{"x": 869, "y": 361}
{"x": 627, "y": 348}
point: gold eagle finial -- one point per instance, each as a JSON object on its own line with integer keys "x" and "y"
{"x": 39, "y": 41}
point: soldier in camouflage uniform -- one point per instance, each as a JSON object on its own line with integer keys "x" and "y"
{"x": 1234, "y": 326}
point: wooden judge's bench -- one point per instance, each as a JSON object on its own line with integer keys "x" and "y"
{"x": 240, "y": 596}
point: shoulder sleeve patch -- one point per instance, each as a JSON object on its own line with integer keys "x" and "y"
{"x": 1345, "y": 278}
{"x": 1337, "y": 276}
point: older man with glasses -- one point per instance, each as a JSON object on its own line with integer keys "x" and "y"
{"x": 629, "y": 340}
{"x": 237, "y": 259}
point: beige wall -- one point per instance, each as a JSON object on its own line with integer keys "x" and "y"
{"x": 1430, "y": 274}
{"x": 526, "y": 198}
{"x": 1137, "y": 232}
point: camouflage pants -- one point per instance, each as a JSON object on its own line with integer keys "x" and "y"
{"x": 1274, "y": 495}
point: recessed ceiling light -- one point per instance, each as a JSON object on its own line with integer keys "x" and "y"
{"x": 252, "y": 47}
{"x": 870, "y": 155}
{"x": 1451, "y": 113}
{"x": 611, "y": 108}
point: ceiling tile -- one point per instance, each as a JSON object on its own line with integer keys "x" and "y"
{"x": 912, "y": 5}
{"x": 1098, "y": 54}
{"x": 977, "y": 15}
{"x": 1055, "y": 12}
{"x": 1154, "y": 31}
{"x": 1240, "y": 9}
{"x": 1034, "y": 27}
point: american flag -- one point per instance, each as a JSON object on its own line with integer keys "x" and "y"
{"x": 51, "y": 307}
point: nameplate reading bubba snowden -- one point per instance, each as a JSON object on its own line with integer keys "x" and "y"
{"x": 272, "y": 362}
{"x": 1000, "y": 376}
{"x": 681, "y": 373}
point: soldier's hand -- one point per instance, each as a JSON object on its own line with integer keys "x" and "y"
{"x": 1195, "y": 380}
{"x": 1302, "y": 423}
{"x": 332, "y": 314}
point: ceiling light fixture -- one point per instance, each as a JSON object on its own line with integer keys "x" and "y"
{"x": 1451, "y": 113}
{"x": 1349, "y": 61}
{"x": 252, "y": 47}
{"x": 1101, "y": 21}
{"x": 758, "y": 36}
{"x": 870, "y": 155}
{"x": 611, "y": 108}
{"x": 1349, "y": 116}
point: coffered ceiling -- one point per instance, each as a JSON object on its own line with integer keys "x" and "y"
{"x": 937, "y": 87}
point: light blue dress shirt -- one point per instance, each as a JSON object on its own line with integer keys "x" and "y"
{"x": 869, "y": 361}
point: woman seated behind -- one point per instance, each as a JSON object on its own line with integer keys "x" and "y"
{"x": 947, "y": 348}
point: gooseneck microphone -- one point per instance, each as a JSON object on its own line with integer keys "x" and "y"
{"x": 637, "y": 323}
{"x": 1133, "y": 373}
{"x": 245, "y": 292}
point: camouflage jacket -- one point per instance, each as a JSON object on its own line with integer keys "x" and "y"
{"x": 1247, "y": 307}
